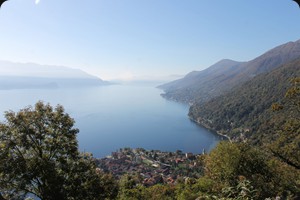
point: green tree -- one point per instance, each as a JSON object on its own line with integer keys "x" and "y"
{"x": 229, "y": 165}
{"x": 287, "y": 144}
{"x": 129, "y": 188}
{"x": 39, "y": 155}
{"x": 162, "y": 192}
{"x": 222, "y": 163}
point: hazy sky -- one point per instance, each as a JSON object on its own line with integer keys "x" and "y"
{"x": 143, "y": 38}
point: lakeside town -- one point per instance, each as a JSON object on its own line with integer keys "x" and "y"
{"x": 153, "y": 166}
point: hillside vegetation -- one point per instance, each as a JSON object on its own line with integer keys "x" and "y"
{"x": 245, "y": 112}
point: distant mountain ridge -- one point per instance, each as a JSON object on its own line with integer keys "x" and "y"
{"x": 201, "y": 86}
{"x": 42, "y": 71}
{"x": 36, "y": 76}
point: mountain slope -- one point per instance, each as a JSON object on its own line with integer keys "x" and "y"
{"x": 224, "y": 75}
{"x": 245, "y": 112}
{"x": 30, "y": 75}
{"x": 207, "y": 81}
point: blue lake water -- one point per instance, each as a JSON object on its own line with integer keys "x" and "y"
{"x": 117, "y": 116}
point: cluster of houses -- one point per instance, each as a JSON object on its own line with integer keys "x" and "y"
{"x": 152, "y": 166}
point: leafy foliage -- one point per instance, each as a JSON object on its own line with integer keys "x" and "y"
{"x": 39, "y": 155}
{"x": 230, "y": 163}
{"x": 287, "y": 144}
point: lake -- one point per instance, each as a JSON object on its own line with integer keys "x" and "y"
{"x": 117, "y": 116}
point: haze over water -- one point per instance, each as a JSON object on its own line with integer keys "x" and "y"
{"x": 117, "y": 116}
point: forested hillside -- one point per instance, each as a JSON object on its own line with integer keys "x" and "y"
{"x": 245, "y": 112}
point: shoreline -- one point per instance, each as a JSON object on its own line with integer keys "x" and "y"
{"x": 209, "y": 128}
